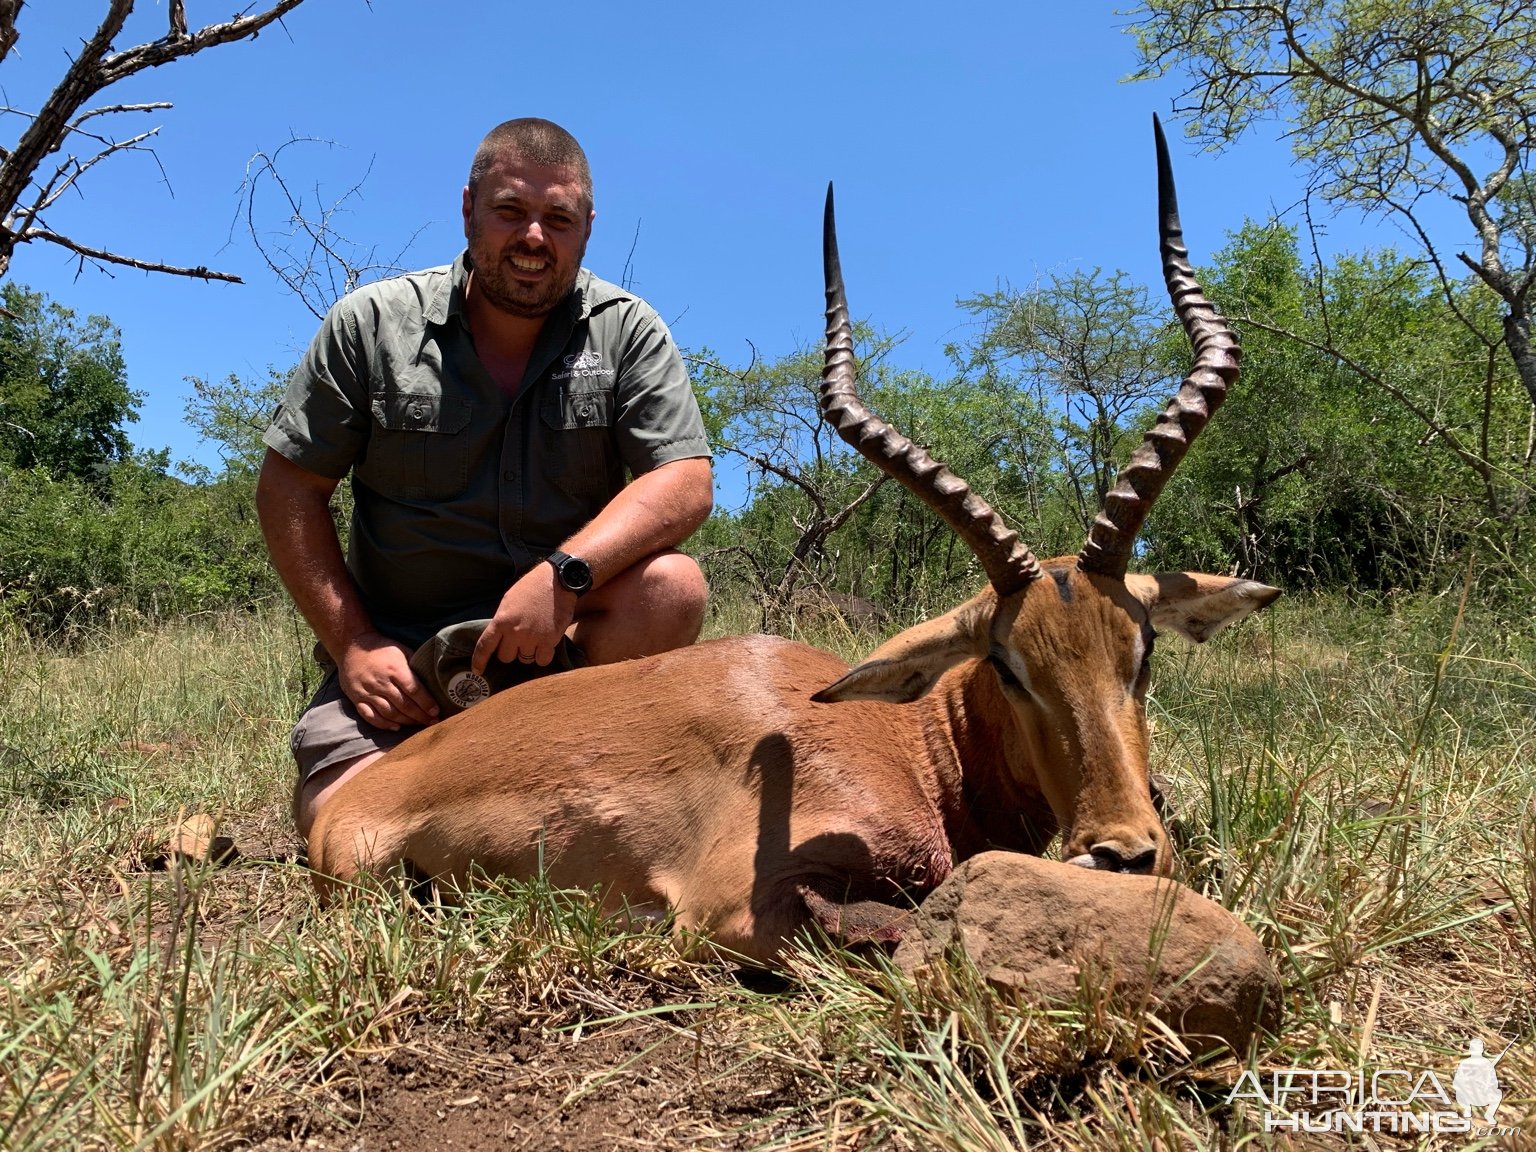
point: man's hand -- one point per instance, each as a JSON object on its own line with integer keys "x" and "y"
{"x": 529, "y": 621}
{"x": 376, "y": 676}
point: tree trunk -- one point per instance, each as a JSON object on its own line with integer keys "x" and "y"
{"x": 1517, "y": 338}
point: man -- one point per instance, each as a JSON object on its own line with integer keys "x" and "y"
{"x": 488, "y": 412}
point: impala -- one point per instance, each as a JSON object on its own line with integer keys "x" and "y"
{"x": 752, "y": 786}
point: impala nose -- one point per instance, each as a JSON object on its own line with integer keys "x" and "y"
{"x": 1119, "y": 856}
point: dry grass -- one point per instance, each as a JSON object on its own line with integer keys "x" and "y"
{"x": 1357, "y": 786}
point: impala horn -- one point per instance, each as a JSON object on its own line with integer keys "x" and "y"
{"x": 1009, "y": 564}
{"x": 1108, "y": 550}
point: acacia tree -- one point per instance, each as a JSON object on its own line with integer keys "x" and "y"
{"x": 1306, "y": 477}
{"x": 823, "y": 534}
{"x": 1084, "y": 346}
{"x": 70, "y": 124}
{"x": 767, "y": 417}
{"x": 1390, "y": 104}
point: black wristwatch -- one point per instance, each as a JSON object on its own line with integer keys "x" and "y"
{"x": 574, "y": 575}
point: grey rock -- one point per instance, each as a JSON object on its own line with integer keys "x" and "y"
{"x": 1037, "y": 928}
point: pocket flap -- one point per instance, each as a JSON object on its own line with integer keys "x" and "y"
{"x": 418, "y": 412}
{"x": 570, "y": 409}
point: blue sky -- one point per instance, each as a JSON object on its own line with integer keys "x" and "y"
{"x": 971, "y": 144}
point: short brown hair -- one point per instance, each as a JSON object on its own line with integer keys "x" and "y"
{"x": 535, "y": 141}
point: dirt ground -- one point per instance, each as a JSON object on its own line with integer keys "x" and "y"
{"x": 636, "y": 1085}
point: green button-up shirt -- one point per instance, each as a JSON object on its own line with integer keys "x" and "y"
{"x": 459, "y": 487}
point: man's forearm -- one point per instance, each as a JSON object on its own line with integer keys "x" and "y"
{"x": 294, "y": 509}
{"x": 652, "y": 513}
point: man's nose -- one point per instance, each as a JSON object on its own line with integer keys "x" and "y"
{"x": 534, "y": 232}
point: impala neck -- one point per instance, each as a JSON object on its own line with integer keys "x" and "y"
{"x": 987, "y": 790}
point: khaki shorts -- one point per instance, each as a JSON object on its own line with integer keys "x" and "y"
{"x": 331, "y": 732}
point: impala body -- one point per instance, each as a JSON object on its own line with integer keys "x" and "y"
{"x": 751, "y": 786}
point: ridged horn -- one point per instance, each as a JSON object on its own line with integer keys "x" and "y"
{"x": 1009, "y": 565}
{"x": 1114, "y": 530}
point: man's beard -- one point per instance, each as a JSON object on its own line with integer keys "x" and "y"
{"x": 513, "y": 296}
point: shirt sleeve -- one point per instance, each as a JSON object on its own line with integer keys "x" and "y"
{"x": 657, "y": 419}
{"x": 323, "y": 420}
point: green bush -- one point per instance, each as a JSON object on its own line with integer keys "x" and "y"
{"x": 75, "y": 556}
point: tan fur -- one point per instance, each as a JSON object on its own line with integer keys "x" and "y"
{"x": 707, "y": 782}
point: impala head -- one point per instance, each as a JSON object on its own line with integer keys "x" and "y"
{"x": 1059, "y": 649}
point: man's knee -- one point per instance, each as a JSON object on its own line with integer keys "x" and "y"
{"x": 667, "y": 583}
{"x": 680, "y": 582}
{"x": 656, "y": 605}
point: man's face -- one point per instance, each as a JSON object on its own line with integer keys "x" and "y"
{"x": 527, "y": 227}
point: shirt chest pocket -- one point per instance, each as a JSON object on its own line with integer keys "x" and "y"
{"x": 577, "y": 427}
{"x": 570, "y": 410}
{"x": 419, "y": 448}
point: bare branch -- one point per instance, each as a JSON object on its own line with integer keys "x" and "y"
{"x": 51, "y": 124}
{"x": 789, "y": 475}
{"x": 110, "y": 109}
{"x": 105, "y": 257}
{"x": 1483, "y": 273}
{"x": 745, "y": 553}
{"x": 74, "y": 126}
{"x": 626, "y": 279}
{"x": 841, "y": 518}
{"x": 1317, "y": 262}
{"x": 60, "y": 183}
{"x": 8, "y": 34}
{"x": 95, "y": 67}
{"x": 158, "y": 52}
{"x": 312, "y": 258}
{"x": 716, "y": 366}
{"x": 1447, "y": 287}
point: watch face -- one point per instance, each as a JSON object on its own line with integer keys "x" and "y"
{"x": 575, "y": 574}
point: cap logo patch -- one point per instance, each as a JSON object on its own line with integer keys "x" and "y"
{"x": 467, "y": 688}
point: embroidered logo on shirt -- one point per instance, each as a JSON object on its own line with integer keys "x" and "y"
{"x": 583, "y": 364}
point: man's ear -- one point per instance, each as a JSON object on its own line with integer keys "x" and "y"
{"x": 467, "y": 207}
{"x": 907, "y": 665}
{"x": 1195, "y": 605}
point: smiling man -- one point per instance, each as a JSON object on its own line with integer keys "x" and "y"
{"x": 524, "y": 447}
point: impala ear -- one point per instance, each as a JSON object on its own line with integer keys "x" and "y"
{"x": 907, "y": 665}
{"x": 1195, "y": 605}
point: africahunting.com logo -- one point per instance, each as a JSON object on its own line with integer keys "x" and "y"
{"x": 1398, "y": 1101}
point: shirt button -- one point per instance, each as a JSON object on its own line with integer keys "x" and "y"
{"x": 509, "y": 474}
{"x": 585, "y": 411}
